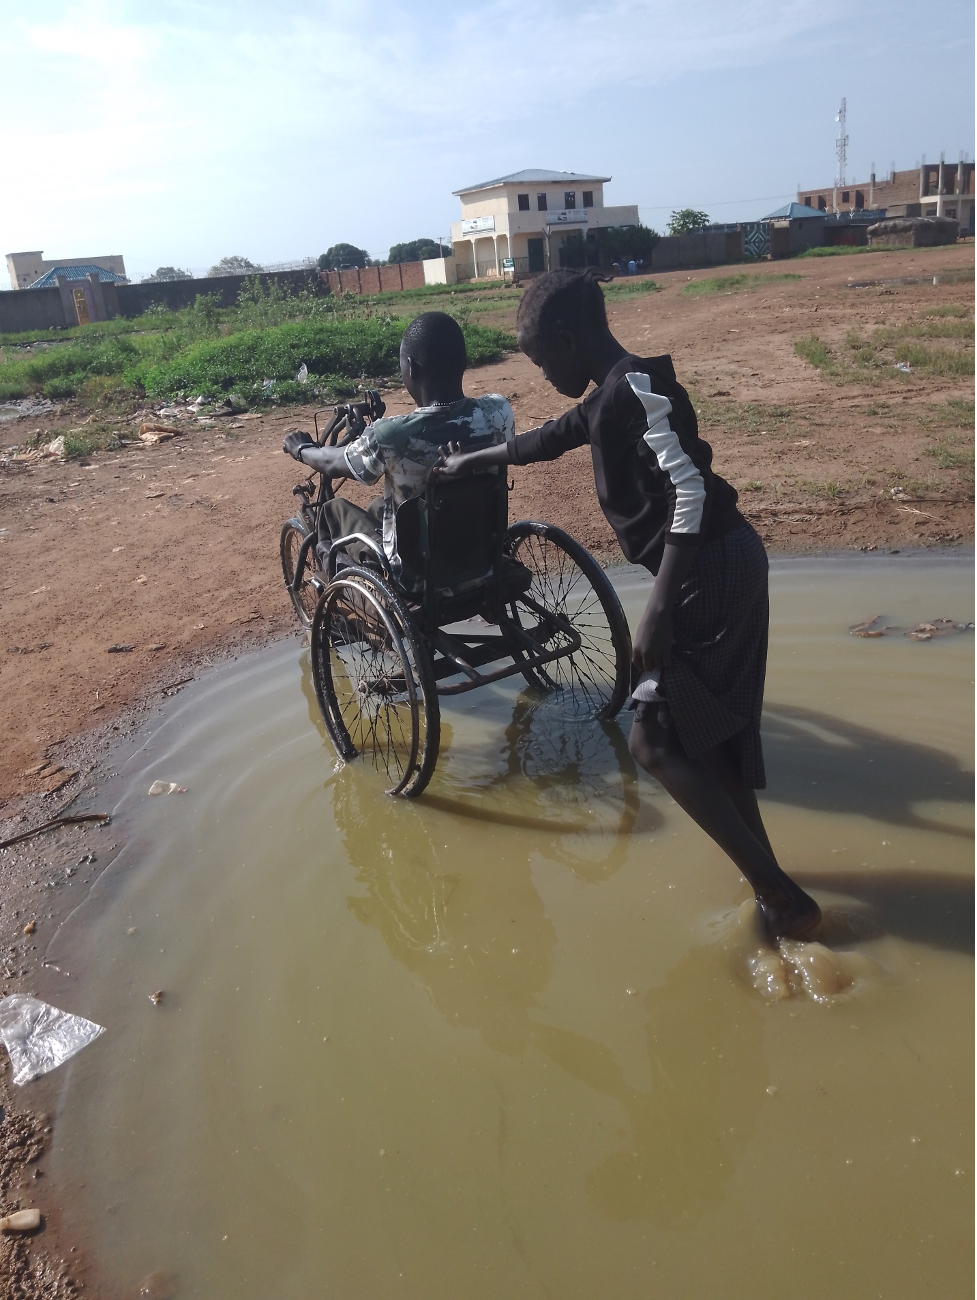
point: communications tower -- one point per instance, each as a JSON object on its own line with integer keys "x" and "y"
{"x": 842, "y": 145}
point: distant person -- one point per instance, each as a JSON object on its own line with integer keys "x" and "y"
{"x": 632, "y": 267}
{"x": 700, "y": 648}
{"x": 400, "y": 449}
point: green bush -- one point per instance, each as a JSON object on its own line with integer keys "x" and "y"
{"x": 60, "y": 388}
{"x": 345, "y": 349}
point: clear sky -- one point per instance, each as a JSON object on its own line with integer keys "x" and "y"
{"x": 176, "y": 133}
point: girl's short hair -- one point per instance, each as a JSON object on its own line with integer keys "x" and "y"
{"x": 563, "y": 299}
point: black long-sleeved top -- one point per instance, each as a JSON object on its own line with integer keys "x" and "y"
{"x": 652, "y": 471}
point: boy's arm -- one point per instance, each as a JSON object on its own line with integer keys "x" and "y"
{"x": 330, "y": 461}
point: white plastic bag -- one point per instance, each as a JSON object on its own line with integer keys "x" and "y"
{"x": 39, "y": 1037}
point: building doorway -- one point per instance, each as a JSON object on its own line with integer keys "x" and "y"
{"x": 536, "y": 255}
{"x": 81, "y": 306}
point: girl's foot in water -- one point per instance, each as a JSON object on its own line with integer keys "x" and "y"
{"x": 790, "y": 917}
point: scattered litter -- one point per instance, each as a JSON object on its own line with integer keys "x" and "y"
{"x": 153, "y": 433}
{"x": 303, "y": 374}
{"x": 157, "y": 997}
{"x": 904, "y": 366}
{"x": 157, "y": 645}
{"x": 69, "y": 819}
{"x": 167, "y": 787}
{"x": 30, "y": 927}
{"x": 119, "y": 649}
{"x": 872, "y": 627}
{"x": 55, "y": 447}
{"x": 39, "y": 1037}
{"x": 21, "y": 1221}
{"x": 897, "y": 492}
{"x": 251, "y": 415}
{"x": 171, "y": 413}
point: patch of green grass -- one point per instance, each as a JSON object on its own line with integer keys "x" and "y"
{"x": 955, "y": 412}
{"x": 212, "y": 350}
{"x": 628, "y": 288}
{"x": 815, "y": 352}
{"x": 871, "y": 357}
{"x": 950, "y": 457}
{"x": 334, "y": 352}
{"x": 734, "y": 283}
{"x": 842, "y": 250}
{"x": 949, "y": 309}
{"x": 743, "y": 417}
{"x": 828, "y": 488}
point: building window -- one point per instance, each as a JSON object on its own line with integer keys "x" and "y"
{"x": 845, "y": 196}
{"x": 822, "y": 203}
{"x": 540, "y": 202}
{"x": 807, "y": 201}
{"x": 859, "y": 199}
{"x": 570, "y": 199}
{"x": 950, "y": 212}
{"x": 523, "y": 201}
{"x": 588, "y": 198}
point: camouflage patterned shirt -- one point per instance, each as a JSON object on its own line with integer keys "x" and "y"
{"x": 401, "y": 449}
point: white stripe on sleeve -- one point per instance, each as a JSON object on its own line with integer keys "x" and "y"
{"x": 690, "y": 490}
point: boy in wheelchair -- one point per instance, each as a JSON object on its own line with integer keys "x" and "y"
{"x": 401, "y": 449}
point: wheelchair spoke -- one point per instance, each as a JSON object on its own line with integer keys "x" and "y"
{"x": 371, "y": 684}
{"x": 589, "y": 678}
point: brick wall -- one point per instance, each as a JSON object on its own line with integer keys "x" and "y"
{"x": 376, "y": 279}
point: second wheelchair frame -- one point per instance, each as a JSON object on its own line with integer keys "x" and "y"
{"x": 477, "y": 600}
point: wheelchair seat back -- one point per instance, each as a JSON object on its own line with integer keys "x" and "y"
{"x": 450, "y": 539}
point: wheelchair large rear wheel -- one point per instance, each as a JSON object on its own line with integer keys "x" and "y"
{"x": 305, "y": 596}
{"x": 374, "y": 681}
{"x": 566, "y": 580}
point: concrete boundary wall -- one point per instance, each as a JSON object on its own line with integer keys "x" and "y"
{"x": 379, "y": 279}
{"x": 31, "y": 309}
{"x": 703, "y": 248}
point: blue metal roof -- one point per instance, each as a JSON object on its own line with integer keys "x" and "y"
{"x": 791, "y": 211}
{"x": 47, "y": 280}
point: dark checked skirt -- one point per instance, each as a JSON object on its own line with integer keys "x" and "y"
{"x": 714, "y": 684}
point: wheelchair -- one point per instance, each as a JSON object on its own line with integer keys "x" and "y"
{"x": 472, "y": 600}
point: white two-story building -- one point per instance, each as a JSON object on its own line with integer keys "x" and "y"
{"x": 523, "y": 219}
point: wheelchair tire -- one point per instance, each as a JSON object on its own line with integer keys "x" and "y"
{"x": 567, "y": 580}
{"x": 374, "y": 681}
{"x": 305, "y": 599}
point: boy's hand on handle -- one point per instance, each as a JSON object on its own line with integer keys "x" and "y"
{"x": 295, "y": 441}
{"x": 652, "y": 646}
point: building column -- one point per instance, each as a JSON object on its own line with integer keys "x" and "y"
{"x": 939, "y": 188}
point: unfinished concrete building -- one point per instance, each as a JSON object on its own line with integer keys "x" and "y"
{"x": 931, "y": 190}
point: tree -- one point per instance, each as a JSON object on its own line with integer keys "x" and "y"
{"x": 686, "y": 221}
{"x": 233, "y": 265}
{"x": 604, "y": 247}
{"x": 342, "y": 257}
{"x": 165, "y": 273}
{"x": 416, "y": 250}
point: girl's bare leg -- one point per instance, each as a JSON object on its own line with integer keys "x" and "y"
{"x": 709, "y": 790}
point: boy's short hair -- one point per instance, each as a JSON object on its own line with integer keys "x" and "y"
{"x": 435, "y": 341}
{"x": 563, "y": 299}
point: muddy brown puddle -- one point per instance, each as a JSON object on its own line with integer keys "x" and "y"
{"x": 520, "y": 1037}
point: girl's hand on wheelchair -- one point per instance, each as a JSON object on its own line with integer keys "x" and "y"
{"x": 450, "y": 462}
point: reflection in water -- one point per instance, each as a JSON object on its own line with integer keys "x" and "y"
{"x": 473, "y": 927}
